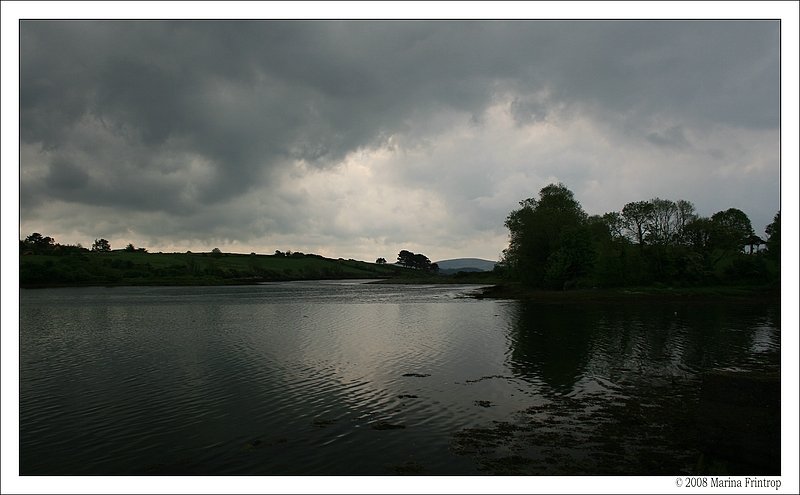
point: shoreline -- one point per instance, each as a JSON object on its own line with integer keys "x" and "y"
{"x": 520, "y": 293}
{"x": 492, "y": 290}
{"x": 186, "y": 283}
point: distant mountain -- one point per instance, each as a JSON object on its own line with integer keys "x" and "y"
{"x": 465, "y": 265}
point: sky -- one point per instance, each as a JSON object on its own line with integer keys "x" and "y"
{"x": 357, "y": 139}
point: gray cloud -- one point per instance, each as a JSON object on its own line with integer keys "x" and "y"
{"x": 66, "y": 176}
{"x": 672, "y": 137}
{"x": 184, "y": 119}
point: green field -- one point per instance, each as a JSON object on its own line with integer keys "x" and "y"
{"x": 140, "y": 268}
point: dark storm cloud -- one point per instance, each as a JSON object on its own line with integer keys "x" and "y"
{"x": 65, "y": 175}
{"x": 175, "y": 116}
{"x": 702, "y": 71}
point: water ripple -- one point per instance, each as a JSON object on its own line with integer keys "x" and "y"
{"x": 343, "y": 378}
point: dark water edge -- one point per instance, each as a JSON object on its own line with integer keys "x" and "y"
{"x": 764, "y": 294}
{"x": 699, "y": 427}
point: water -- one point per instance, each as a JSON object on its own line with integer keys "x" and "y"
{"x": 306, "y": 378}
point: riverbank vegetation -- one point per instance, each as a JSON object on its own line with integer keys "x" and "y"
{"x": 75, "y": 266}
{"x": 655, "y": 244}
{"x": 46, "y": 263}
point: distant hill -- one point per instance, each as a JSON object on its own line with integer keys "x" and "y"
{"x": 465, "y": 265}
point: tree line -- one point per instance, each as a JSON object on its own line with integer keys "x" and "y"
{"x": 553, "y": 243}
{"x": 37, "y": 243}
{"x": 418, "y": 261}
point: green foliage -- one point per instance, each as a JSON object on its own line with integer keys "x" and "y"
{"x": 553, "y": 244}
{"x": 571, "y": 260}
{"x": 747, "y": 270}
{"x": 545, "y": 247}
{"x": 137, "y": 268}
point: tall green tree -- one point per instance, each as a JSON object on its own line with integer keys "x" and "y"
{"x": 637, "y": 216}
{"x": 520, "y": 254}
{"x": 731, "y": 229}
{"x": 543, "y": 249}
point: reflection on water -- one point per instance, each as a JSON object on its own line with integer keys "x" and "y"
{"x": 622, "y": 390}
{"x": 346, "y": 378}
{"x": 551, "y": 344}
{"x": 563, "y": 344}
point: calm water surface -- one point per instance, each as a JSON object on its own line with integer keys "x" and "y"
{"x": 351, "y": 378}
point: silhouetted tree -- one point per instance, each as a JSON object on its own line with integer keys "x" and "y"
{"x": 662, "y": 222}
{"x": 521, "y": 240}
{"x": 697, "y": 234}
{"x": 101, "y": 246}
{"x": 380, "y": 261}
{"x": 421, "y": 261}
{"x": 552, "y": 243}
{"x": 773, "y": 243}
{"x": 572, "y": 259}
{"x": 413, "y": 260}
{"x": 637, "y": 217}
{"x": 38, "y": 244}
{"x": 731, "y": 229}
{"x": 615, "y": 224}
{"x": 685, "y": 214}
{"x": 405, "y": 258}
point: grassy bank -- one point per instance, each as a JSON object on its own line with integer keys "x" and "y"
{"x": 119, "y": 268}
{"x": 139, "y": 268}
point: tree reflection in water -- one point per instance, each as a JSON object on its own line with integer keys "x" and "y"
{"x": 620, "y": 390}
